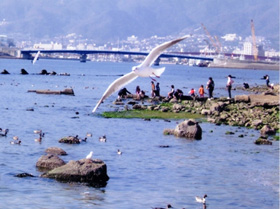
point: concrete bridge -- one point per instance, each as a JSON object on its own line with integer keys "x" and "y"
{"x": 27, "y": 54}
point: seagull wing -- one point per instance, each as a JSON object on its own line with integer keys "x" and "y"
{"x": 116, "y": 85}
{"x": 154, "y": 54}
{"x": 36, "y": 57}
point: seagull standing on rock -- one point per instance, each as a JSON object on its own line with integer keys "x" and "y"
{"x": 89, "y": 156}
{"x": 142, "y": 70}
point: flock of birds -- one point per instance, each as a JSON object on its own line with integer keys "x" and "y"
{"x": 41, "y": 134}
{"x": 16, "y": 140}
{"x": 101, "y": 139}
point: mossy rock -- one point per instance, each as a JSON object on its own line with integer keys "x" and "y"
{"x": 262, "y": 141}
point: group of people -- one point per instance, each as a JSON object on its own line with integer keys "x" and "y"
{"x": 140, "y": 94}
{"x": 155, "y": 92}
{"x": 210, "y": 85}
{"x": 178, "y": 93}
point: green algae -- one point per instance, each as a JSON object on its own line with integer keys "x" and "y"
{"x": 145, "y": 114}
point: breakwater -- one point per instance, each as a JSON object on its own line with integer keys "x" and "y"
{"x": 244, "y": 64}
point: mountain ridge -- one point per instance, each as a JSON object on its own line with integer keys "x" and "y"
{"x": 110, "y": 20}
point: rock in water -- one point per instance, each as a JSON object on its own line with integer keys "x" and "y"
{"x": 49, "y": 162}
{"x": 70, "y": 140}
{"x": 267, "y": 130}
{"x": 89, "y": 171}
{"x": 23, "y": 175}
{"x": 23, "y": 72}
{"x": 189, "y": 129}
{"x": 55, "y": 151}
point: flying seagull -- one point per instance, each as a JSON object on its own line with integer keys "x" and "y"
{"x": 142, "y": 70}
{"x": 36, "y": 57}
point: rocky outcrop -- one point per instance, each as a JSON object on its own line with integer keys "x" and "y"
{"x": 5, "y": 72}
{"x": 24, "y": 175}
{"x": 89, "y": 171}
{"x": 23, "y": 72}
{"x": 45, "y": 72}
{"x": 263, "y": 141}
{"x": 189, "y": 129}
{"x": 55, "y": 151}
{"x": 253, "y": 111}
{"x": 267, "y": 130}
{"x": 49, "y": 161}
{"x": 242, "y": 98}
{"x": 70, "y": 140}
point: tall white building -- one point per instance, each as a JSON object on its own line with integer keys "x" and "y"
{"x": 248, "y": 48}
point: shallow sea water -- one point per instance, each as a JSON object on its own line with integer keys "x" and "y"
{"x": 232, "y": 171}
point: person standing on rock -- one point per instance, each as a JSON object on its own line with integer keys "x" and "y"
{"x": 210, "y": 86}
{"x": 267, "y": 82}
{"x": 138, "y": 92}
{"x": 229, "y": 85}
{"x": 157, "y": 90}
{"x": 153, "y": 89}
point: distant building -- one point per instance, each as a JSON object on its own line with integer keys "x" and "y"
{"x": 90, "y": 47}
{"x": 51, "y": 46}
{"x": 261, "y": 51}
{"x": 229, "y": 37}
{"x": 248, "y": 48}
{"x": 81, "y": 46}
{"x": 272, "y": 54}
{"x": 132, "y": 38}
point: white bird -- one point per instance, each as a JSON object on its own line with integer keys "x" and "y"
{"x": 201, "y": 199}
{"x": 142, "y": 70}
{"x": 89, "y": 134}
{"x": 38, "y": 139}
{"x": 119, "y": 152}
{"x": 37, "y": 131}
{"x": 89, "y": 156}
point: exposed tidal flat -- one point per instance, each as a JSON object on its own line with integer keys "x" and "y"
{"x": 233, "y": 171}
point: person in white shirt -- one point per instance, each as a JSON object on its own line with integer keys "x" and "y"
{"x": 229, "y": 85}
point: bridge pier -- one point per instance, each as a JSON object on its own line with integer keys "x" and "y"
{"x": 156, "y": 63}
{"x": 27, "y": 56}
{"x": 83, "y": 58}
